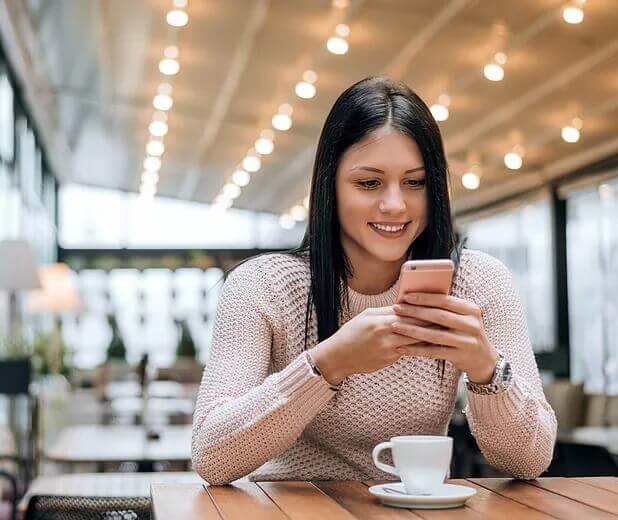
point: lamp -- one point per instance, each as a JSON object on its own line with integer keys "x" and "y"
{"x": 57, "y": 294}
{"x": 17, "y": 272}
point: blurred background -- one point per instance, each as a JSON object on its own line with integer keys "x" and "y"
{"x": 148, "y": 146}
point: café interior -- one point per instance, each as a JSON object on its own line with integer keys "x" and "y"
{"x": 147, "y": 147}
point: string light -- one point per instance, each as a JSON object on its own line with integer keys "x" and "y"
{"x": 305, "y": 90}
{"x": 471, "y": 181}
{"x": 513, "y": 160}
{"x": 150, "y": 177}
{"x": 252, "y": 163}
{"x": 241, "y": 178}
{"x": 282, "y": 120}
{"x": 342, "y": 30}
{"x": 162, "y": 102}
{"x": 574, "y": 14}
{"x": 177, "y": 18}
{"x": 264, "y": 146}
{"x": 152, "y": 163}
{"x": 495, "y": 71}
{"x": 337, "y": 45}
{"x": 231, "y": 191}
{"x": 298, "y": 212}
{"x": 158, "y": 128}
{"x": 571, "y": 133}
{"x": 439, "y": 110}
{"x": 155, "y": 148}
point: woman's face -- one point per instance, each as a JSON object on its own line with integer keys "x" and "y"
{"x": 381, "y": 196}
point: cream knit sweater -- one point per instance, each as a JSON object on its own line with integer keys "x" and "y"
{"x": 262, "y": 411}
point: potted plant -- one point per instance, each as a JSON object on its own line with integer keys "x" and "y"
{"x": 15, "y": 365}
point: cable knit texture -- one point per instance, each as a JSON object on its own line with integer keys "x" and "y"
{"x": 262, "y": 412}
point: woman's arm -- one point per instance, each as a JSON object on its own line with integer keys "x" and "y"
{"x": 243, "y": 416}
{"x": 516, "y": 429}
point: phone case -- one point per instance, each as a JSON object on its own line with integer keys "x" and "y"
{"x": 429, "y": 276}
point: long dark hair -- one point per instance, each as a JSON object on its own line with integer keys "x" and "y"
{"x": 363, "y": 108}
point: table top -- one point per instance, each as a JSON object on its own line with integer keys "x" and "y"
{"x": 545, "y": 498}
{"x": 102, "y": 443}
{"x": 104, "y": 484}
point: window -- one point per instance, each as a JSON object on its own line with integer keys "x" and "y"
{"x": 522, "y": 239}
{"x": 592, "y": 260}
{"x": 7, "y": 119}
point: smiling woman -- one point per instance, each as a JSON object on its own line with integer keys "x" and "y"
{"x": 295, "y": 330}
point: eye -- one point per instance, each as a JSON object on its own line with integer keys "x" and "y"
{"x": 415, "y": 183}
{"x": 368, "y": 184}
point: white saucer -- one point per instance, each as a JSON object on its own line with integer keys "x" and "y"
{"x": 446, "y": 496}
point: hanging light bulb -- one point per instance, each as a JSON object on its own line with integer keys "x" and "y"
{"x": 177, "y": 18}
{"x": 152, "y": 163}
{"x": 147, "y": 190}
{"x": 513, "y": 160}
{"x": 341, "y": 4}
{"x": 493, "y": 72}
{"x": 342, "y": 30}
{"x": 264, "y": 146}
{"x": 150, "y": 177}
{"x": 310, "y": 76}
{"x": 158, "y": 128}
{"x": 162, "y": 102}
{"x": 231, "y": 191}
{"x": 573, "y": 13}
{"x": 169, "y": 66}
{"x": 286, "y": 221}
{"x": 155, "y": 148}
{"x": 305, "y": 90}
{"x": 571, "y": 133}
{"x": 282, "y": 120}
{"x": 252, "y": 163}
{"x": 337, "y": 45}
{"x": 470, "y": 181}
{"x": 439, "y": 112}
{"x": 241, "y": 177}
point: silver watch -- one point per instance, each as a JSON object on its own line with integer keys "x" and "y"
{"x": 501, "y": 381}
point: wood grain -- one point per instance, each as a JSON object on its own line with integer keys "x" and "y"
{"x": 244, "y": 500}
{"x": 189, "y": 502}
{"x": 584, "y": 493}
{"x": 542, "y": 499}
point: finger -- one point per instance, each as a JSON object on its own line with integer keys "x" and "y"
{"x": 427, "y": 350}
{"x": 438, "y": 316}
{"x": 448, "y": 302}
{"x": 438, "y": 337}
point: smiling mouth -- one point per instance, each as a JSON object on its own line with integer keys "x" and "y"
{"x": 393, "y": 230}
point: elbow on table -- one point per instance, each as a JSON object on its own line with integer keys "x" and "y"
{"x": 210, "y": 467}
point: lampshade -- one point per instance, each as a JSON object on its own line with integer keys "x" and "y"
{"x": 57, "y": 293}
{"x": 17, "y": 266}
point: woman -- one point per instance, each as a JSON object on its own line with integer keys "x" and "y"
{"x": 313, "y": 363}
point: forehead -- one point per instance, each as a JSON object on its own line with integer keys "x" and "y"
{"x": 385, "y": 148}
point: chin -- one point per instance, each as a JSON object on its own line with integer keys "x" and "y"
{"x": 388, "y": 254}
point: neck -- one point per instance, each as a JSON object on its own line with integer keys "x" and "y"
{"x": 371, "y": 275}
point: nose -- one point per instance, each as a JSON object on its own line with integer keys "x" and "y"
{"x": 393, "y": 202}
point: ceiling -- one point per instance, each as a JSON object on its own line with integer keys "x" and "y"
{"x": 240, "y": 59}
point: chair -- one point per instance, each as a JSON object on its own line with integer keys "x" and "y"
{"x": 581, "y": 460}
{"x": 54, "y": 507}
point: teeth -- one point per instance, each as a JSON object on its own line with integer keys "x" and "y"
{"x": 390, "y": 229}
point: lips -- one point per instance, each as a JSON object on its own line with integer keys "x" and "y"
{"x": 390, "y": 230}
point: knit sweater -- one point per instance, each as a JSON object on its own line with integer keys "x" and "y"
{"x": 262, "y": 411}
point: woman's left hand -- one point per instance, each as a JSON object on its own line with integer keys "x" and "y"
{"x": 462, "y": 340}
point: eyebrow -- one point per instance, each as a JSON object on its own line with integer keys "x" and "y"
{"x": 377, "y": 170}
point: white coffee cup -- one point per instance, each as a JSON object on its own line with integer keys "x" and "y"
{"x": 421, "y": 461}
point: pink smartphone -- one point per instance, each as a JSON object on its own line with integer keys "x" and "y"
{"x": 429, "y": 276}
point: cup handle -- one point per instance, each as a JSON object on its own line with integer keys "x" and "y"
{"x": 384, "y": 467}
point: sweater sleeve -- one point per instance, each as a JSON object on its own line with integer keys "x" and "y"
{"x": 516, "y": 429}
{"x": 243, "y": 415}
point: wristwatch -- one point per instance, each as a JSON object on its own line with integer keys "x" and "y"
{"x": 501, "y": 381}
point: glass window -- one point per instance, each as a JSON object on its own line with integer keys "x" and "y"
{"x": 522, "y": 239}
{"x": 592, "y": 260}
{"x": 99, "y": 218}
{"x": 7, "y": 119}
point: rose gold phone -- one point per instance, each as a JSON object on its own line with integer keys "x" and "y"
{"x": 429, "y": 276}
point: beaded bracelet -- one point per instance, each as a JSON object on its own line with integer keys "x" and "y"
{"x": 317, "y": 371}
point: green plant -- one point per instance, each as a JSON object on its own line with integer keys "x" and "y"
{"x": 14, "y": 346}
{"x": 116, "y": 349}
{"x": 186, "y": 345}
{"x": 50, "y": 353}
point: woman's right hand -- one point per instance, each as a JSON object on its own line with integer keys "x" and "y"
{"x": 366, "y": 343}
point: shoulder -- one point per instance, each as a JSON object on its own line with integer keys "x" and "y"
{"x": 270, "y": 272}
{"x": 483, "y": 275}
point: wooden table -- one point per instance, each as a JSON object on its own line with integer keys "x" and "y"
{"x": 100, "y": 444}
{"x": 545, "y": 498}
